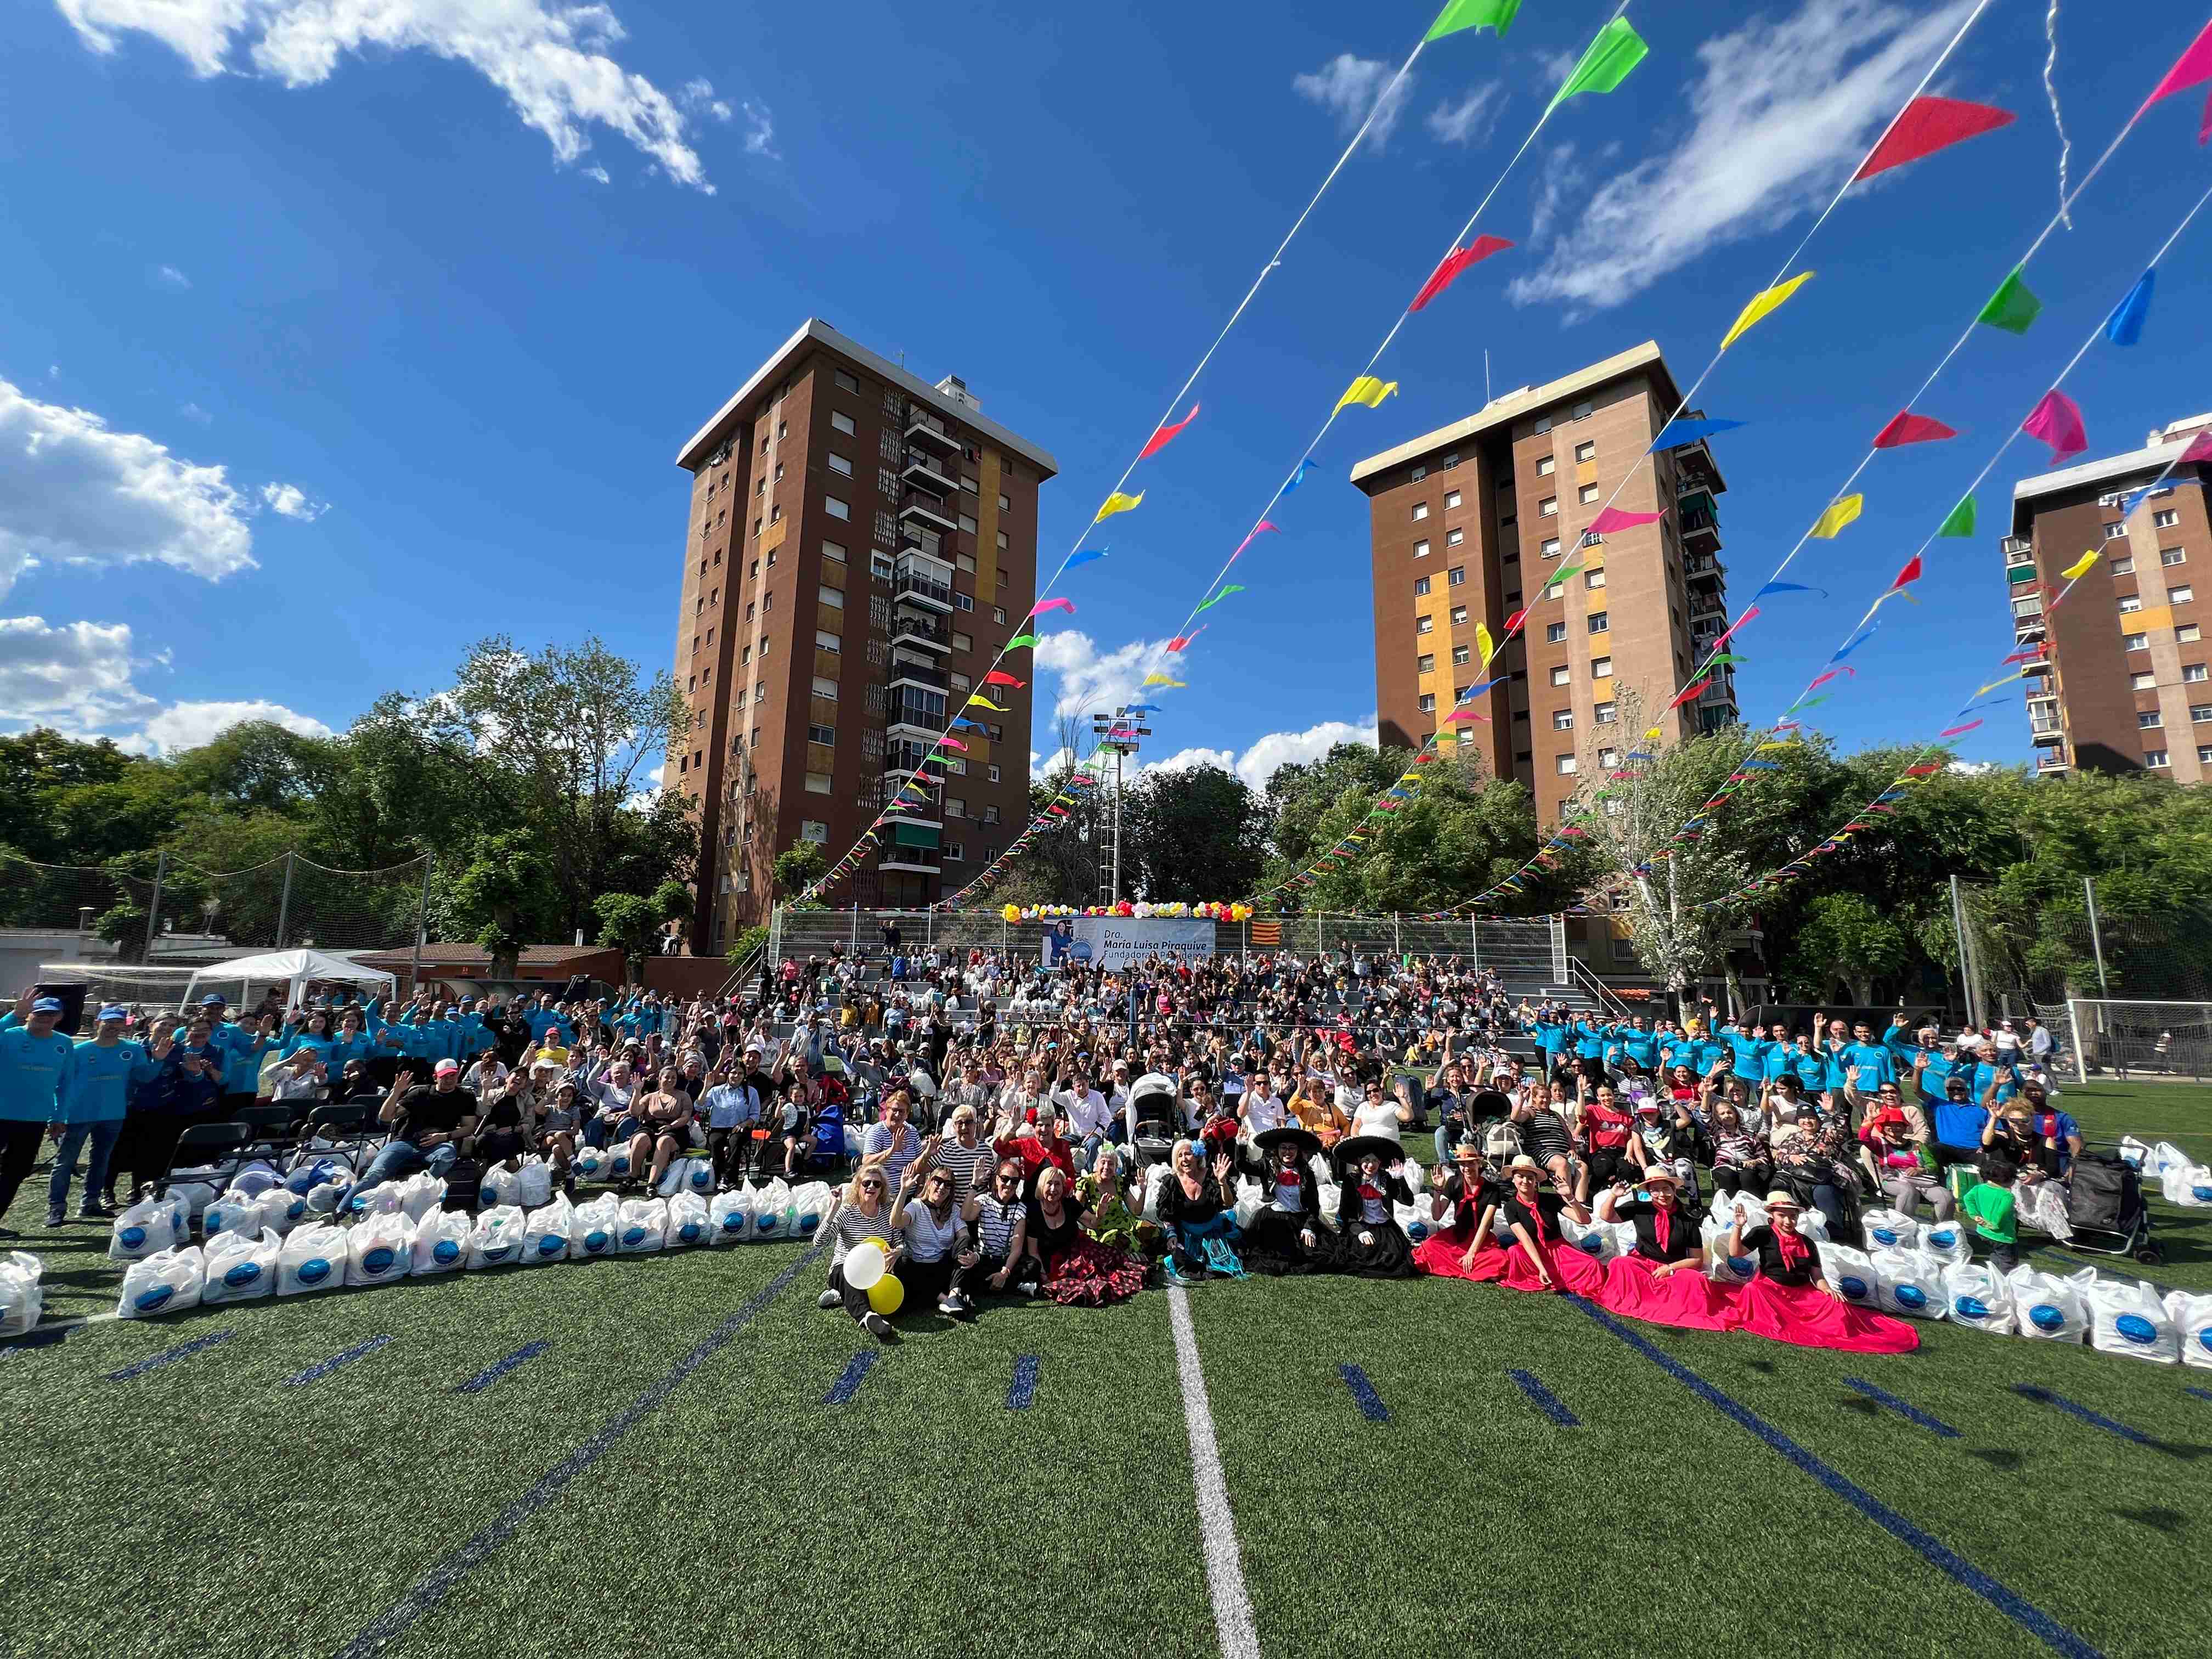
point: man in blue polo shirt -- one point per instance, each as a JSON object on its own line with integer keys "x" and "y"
{"x": 38, "y": 1073}
{"x": 1746, "y": 1052}
{"x": 107, "y": 1069}
{"x": 1640, "y": 1044}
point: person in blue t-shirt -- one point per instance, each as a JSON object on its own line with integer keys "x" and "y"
{"x": 1590, "y": 1048}
{"x": 1997, "y": 1079}
{"x": 1902, "y": 1039}
{"x": 1746, "y": 1052}
{"x": 1639, "y": 1045}
{"x": 1933, "y": 1067}
{"x": 106, "y": 1070}
{"x": 1551, "y": 1035}
{"x": 1864, "y": 1066}
{"x": 1958, "y": 1123}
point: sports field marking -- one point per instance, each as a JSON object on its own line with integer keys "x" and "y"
{"x": 2045, "y": 1397}
{"x": 185, "y": 1351}
{"x": 1023, "y": 1389}
{"x": 855, "y": 1373}
{"x": 1363, "y": 1394}
{"x": 1225, "y": 1568}
{"x": 2201, "y": 1394}
{"x": 321, "y": 1369}
{"x": 2007, "y": 1601}
{"x": 439, "y": 1583}
{"x": 491, "y": 1373}
{"x": 1547, "y": 1402}
{"x": 1904, "y": 1408}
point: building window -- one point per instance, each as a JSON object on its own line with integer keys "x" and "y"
{"x": 2180, "y": 595}
{"x": 835, "y": 508}
{"x": 1428, "y": 703}
{"x": 2148, "y": 719}
{"x": 845, "y": 383}
{"x": 1424, "y": 624}
{"x": 962, "y": 682}
{"x": 1416, "y": 475}
{"x": 1548, "y": 507}
{"x": 962, "y": 601}
{"x": 999, "y": 615}
{"x": 826, "y": 641}
{"x": 825, "y": 688}
{"x": 1544, "y": 464}
{"x": 2172, "y": 555}
{"x": 2124, "y": 566}
{"x": 880, "y": 566}
{"x": 834, "y": 551}
{"x": 1420, "y": 586}
{"x": 2114, "y": 532}
{"x": 995, "y": 778}
{"x": 830, "y": 597}
{"x": 1587, "y": 494}
{"x": 1594, "y": 578}
{"x": 1458, "y": 576}
{"x": 2200, "y": 712}
{"x": 2155, "y": 758}
{"x": 1420, "y": 550}
{"x": 2188, "y": 634}
{"x": 1598, "y": 621}
{"x": 2143, "y": 681}
{"x": 1564, "y": 765}
{"x": 838, "y": 422}
{"x": 1562, "y": 675}
{"x": 2135, "y": 641}
{"x": 826, "y": 735}
{"x": 1552, "y": 591}
{"x": 1459, "y": 655}
{"x": 962, "y": 641}
{"x": 813, "y": 829}
{"x": 1420, "y": 511}
{"x": 840, "y": 465}
{"x": 1451, "y": 499}
{"x": 2129, "y": 604}
{"x": 2204, "y": 751}
{"x": 1454, "y": 537}
{"x": 1004, "y": 505}
{"x": 1426, "y": 665}
{"x": 1585, "y": 452}
{"x": 2165, "y": 518}
{"x": 1459, "y": 616}
{"x": 817, "y": 783}
{"x": 1605, "y": 713}
{"x": 1555, "y": 632}
{"x": 1563, "y": 720}
{"x": 1550, "y": 547}
{"x": 2193, "y": 674}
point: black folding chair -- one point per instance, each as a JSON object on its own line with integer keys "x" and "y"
{"x": 219, "y": 1148}
{"x": 271, "y": 1126}
{"x": 351, "y": 1127}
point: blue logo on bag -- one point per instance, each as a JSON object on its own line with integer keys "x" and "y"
{"x": 620, "y": 1166}
{"x": 689, "y": 1232}
{"x": 150, "y": 1300}
{"x": 734, "y": 1222}
{"x": 300, "y": 1181}
{"x": 1912, "y": 1296}
{"x": 1416, "y": 1232}
{"x": 2204, "y": 1338}
{"x": 2201, "y": 1194}
{"x": 243, "y": 1274}
{"x": 295, "y": 1209}
{"x": 2135, "y": 1328}
{"x": 633, "y": 1235}
{"x": 497, "y": 1252}
{"x": 131, "y": 1237}
{"x": 702, "y": 1180}
{"x": 2046, "y": 1317}
{"x": 595, "y": 1239}
{"x": 444, "y": 1252}
{"x": 315, "y": 1272}
{"x": 1945, "y": 1239}
{"x": 1590, "y": 1244}
{"x": 1853, "y": 1287}
{"x": 769, "y": 1223}
{"x": 378, "y": 1260}
{"x": 1885, "y": 1235}
{"x": 808, "y": 1223}
{"x": 551, "y": 1244}
{"x": 1969, "y": 1306}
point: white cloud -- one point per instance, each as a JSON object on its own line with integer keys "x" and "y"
{"x": 194, "y": 412}
{"x": 292, "y": 502}
{"x": 1348, "y": 86}
{"x": 1185, "y": 760}
{"x": 188, "y": 725}
{"x": 698, "y": 96}
{"x": 598, "y": 175}
{"x": 1563, "y": 177}
{"x": 1043, "y": 766}
{"x": 1090, "y": 683}
{"x": 170, "y": 276}
{"x": 1258, "y": 763}
{"x": 760, "y": 131}
{"x": 1471, "y": 121}
{"x": 74, "y": 491}
{"x": 550, "y": 59}
{"x": 1778, "y": 124}
{"x": 74, "y": 676}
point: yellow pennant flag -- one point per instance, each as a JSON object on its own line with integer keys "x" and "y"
{"x": 979, "y": 700}
{"x": 1366, "y": 390}
{"x": 1482, "y": 642}
{"x": 1652, "y": 736}
{"x": 1839, "y": 513}
{"x": 1162, "y": 679}
{"x": 1762, "y": 303}
{"x": 2020, "y": 675}
{"x": 2081, "y": 567}
{"x": 1117, "y": 502}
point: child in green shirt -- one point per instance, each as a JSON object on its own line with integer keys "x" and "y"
{"x": 1990, "y": 1209}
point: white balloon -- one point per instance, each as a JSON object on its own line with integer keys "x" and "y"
{"x": 864, "y": 1265}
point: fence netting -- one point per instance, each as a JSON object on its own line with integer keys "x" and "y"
{"x": 2121, "y": 1039}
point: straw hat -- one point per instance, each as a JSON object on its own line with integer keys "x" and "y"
{"x": 1779, "y": 1200}
{"x": 1658, "y": 1173}
{"x": 1521, "y": 1162}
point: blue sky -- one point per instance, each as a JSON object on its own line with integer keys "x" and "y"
{"x": 337, "y": 335}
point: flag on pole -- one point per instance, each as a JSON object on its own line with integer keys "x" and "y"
{"x": 1838, "y": 514}
{"x": 1927, "y": 125}
{"x": 1605, "y": 63}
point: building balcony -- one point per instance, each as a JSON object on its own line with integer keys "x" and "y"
{"x": 927, "y": 429}
{"x": 908, "y": 670}
{"x": 924, "y": 471}
{"x": 912, "y": 586}
{"x": 2026, "y": 634}
{"x": 917, "y": 509}
{"x": 921, "y": 711}
{"x": 921, "y": 628}
{"x": 2017, "y": 548}
{"x": 1704, "y": 567}
{"x": 1706, "y": 602}
{"x": 2045, "y": 731}
{"x": 2045, "y": 765}
{"x": 1701, "y": 530}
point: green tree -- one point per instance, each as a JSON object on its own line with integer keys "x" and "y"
{"x": 1846, "y": 937}
{"x": 798, "y": 867}
{"x": 1193, "y": 833}
{"x": 629, "y": 921}
{"x": 501, "y": 893}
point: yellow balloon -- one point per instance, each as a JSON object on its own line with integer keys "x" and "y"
{"x": 1011, "y": 913}
{"x": 886, "y": 1295}
{"x": 880, "y": 1242}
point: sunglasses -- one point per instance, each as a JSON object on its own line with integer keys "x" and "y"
{"x": 878, "y": 1185}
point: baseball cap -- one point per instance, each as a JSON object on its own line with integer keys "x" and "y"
{"x": 213, "y": 999}
{"x": 446, "y": 1066}
{"x": 114, "y": 1011}
{"x": 47, "y": 1006}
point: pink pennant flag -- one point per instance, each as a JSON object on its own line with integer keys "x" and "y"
{"x": 2200, "y": 449}
{"x": 1910, "y": 574}
{"x": 1044, "y": 605}
{"x": 1166, "y": 435}
{"x": 1456, "y": 261}
{"x": 1181, "y": 641}
{"x": 2192, "y": 68}
{"x": 1613, "y": 519}
{"x": 1464, "y": 714}
{"x": 1739, "y": 622}
{"x": 2057, "y": 421}
{"x": 1262, "y": 528}
{"x": 1830, "y": 675}
{"x": 953, "y": 743}
{"x": 1959, "y": 731}
{"x": 1907, "y": 427}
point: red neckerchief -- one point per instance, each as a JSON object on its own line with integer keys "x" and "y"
{"x": 1791, "y": 1247}
{"x": 1372, "y": 1194}
{"x": 1534, "y": 1207}
{"x": 1662, "y": 1224}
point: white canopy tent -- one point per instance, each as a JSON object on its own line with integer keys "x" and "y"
{"x": 294, "y": 969}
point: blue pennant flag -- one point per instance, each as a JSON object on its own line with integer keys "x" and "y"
{"x": 1675, "y": 434}
{"x": 2125, "y": 326}
{"x": 1300, "y": 476}
{"x": 1789, "y": 588}
{"x": 965, "y": 725}
{"x": 1086, "y": 557}
{"x": 1855, "y": 643}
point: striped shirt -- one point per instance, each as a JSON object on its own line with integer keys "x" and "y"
{"x": 906, "y": 1150}
{"x": 995, "y": 1223}
{"x": 853, "y": 1226}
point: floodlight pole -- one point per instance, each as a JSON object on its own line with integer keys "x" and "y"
{"x": 1119, "y": 732}
{"x": 2096, "y": 940}
{"x": 153, "y": 910}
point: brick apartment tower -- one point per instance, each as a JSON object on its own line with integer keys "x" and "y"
{"x": 1469, "y": 520}
{"x": 2122, "y": 682}
{"x": 861, "y": 544}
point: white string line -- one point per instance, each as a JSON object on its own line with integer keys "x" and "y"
{"x": 1190, "y": 380}
{"x": 1933, "y": 69}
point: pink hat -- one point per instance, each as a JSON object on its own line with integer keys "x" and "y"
{"x": 446, "y": 1066}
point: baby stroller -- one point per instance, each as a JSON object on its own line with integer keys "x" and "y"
{"x": 2105, "y": 1209}
{"x": 1154, "y": 1101}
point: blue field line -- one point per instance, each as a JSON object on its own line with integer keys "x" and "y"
{"x": 491, "y": 1373}
{"x": 2045, "y": 1397}
{"x": 2008, "y": 1601}
{"x": 1363, "y": 1392}
{"x": 1904, "y": 1408}
{"x": 323, "y": 1367}
{"x": 1023, "y": 1387}
{"x": 1547, "y": 1402}
{"x": 435, "y": 1586}
{"x": 2201, "y": 1394}
{"x": 31, "y": 1342}
{"x": 184, "y": 1351}
{"x": 855, "y": 1373}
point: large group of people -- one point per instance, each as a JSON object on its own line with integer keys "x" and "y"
{"x": 1078, "y": 1132}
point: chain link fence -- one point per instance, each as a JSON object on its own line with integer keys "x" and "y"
{"x": 2122, "y": 1039}
{"x": 2078, "y": 943}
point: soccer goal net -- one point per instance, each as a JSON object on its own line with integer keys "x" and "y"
{"x": 132, "y": 986}
{"x": 2122, "y": 1040}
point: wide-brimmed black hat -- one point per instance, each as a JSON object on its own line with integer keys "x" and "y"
{"x": 1351, "y": 1149}
{"x": 1296, "y": 1134}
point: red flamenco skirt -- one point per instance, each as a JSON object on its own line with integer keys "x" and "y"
{"x": 1807, "y": 1317}
{"x": 1443, "y": 1257}
{"x": 1573, "y": 1270}
{"x": 1685, "y": 1300}
{"x": 1092, "y": 1275}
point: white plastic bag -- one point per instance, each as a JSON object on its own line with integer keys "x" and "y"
{"x": 644, "y": 1227}
{"x": 1911, "y": 1283}
{"x": 2139, "y": 1153}
{"x": 240, "y": 1265}
{"x": 2048, "y": 1309}
{"x": 229, "y": 1212}
{"x": 381, "y": 1250}
{"x": 310, "y": 1170}
{"x": 1414, "y": 1175}
{"x": 197, "y": 1193}
{"x": 2165, "y": 1156}
{"x": 2189, "y": 1185}
{"x": 328, "y": 1198}
{"x": 21, "y": 1300}
{"x": 497, "y": 1237}
{"x": 167, "y": 1281}
{"x": 1948, "y": 1241}
{"x": 1852, "y": 1272}
{"x": 441, "y": 1244}
{"x": 1890, "y": 1229}
{"x": 499, "y": 1185}
{"x": 809, "y": 1206}
{"x": 385, "y": 1199}
{"x": 1593, "y": 1237}
{"x": 1980, "y": 1298}
{"x": 729, "y": 1215}
{"x": 420, "y": 1194}
{"x": 279, "y": 1210}
{"x": 2040, "y": 1207}
{"x": 2191, "y": 1315}
{"x": 1156, "y": 1177}
{"x": 687, "y": 1175}
{"x": 253, "y": 1179}
{"x": 593, "y": 1231}
{"x": 590, "y": 1162}
{"x": 1722, "y": 1267}
{"x": 546, "y": 1229}
{"x": 1412, "y": 1221}
{"x": 150, "y": 1224}
{"x": 314, "y": 1259}
{"x": 617, "y": 1166}
{"x": 1248, "y": 1201}
{"x": 1328, "y": 1197}
{"x": 534, "y": 1183}
{"x": 687, "y": 1220}
{"x": 2129, "y": 1319}
{"x": 772, "y": 1214}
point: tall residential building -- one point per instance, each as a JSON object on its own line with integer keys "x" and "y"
{"x": 1468, "y": 521}
{"x": 2120, "y": 680}
{"x": 860, "y": 546}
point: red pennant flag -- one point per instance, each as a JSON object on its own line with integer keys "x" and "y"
{"x": 1515, "y": 620}
{"x": 998, "y": 677}
{"x": 1910, "y": 429}
{"x": 1685, "y": 694}
{"x": 1613, "y": 519}
{"x": 1927, "y": 770}
{"x": 1166, "y": 435}
{"x": 2192, "y": 68}
{"x": 1456, "y": 261}
{"x": 1910, "y": 574}
{"x": 1929, "y": 124}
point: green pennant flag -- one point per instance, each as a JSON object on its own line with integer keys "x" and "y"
{"x": 1725, "y": 660}
{"x": 1617, "y": 50}
{"x": 1020, "y": 640}
{"x": 1459, "y": 14}
{"x": 1232, "y": 588}
{"x": 2012, "y": 307}
{"x": 1962, "y": 521}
